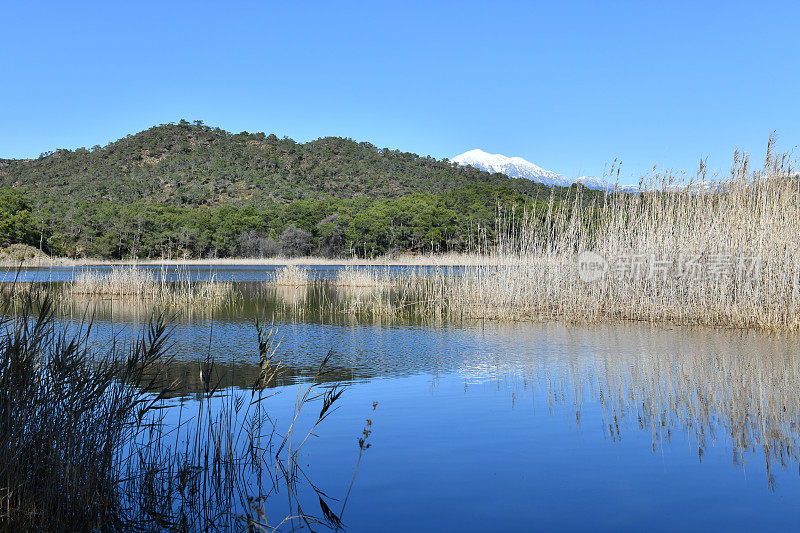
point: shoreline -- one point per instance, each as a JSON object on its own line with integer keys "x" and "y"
{"x": 400, "y": 260}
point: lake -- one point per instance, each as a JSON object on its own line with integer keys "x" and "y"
{"x": 484, "y": 425}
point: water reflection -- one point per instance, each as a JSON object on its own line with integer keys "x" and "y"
{"x": 724, "y": 401}
{"x": 734, "y": 389}
{"x": 237, "y": 273}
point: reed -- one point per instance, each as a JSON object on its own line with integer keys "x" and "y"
{"x": 350, "y": 277}
{"x": 724, "y": 257}
{"x": 292, "y": 275}
{"x": 134, "y": 283}
{"x": 90, "y": 440}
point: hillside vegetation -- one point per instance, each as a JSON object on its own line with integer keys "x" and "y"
{"x": 187, "y": 189}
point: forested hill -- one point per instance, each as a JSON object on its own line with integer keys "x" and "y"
{"x": 189, "y": 189}
{"x": 193, "y": 164}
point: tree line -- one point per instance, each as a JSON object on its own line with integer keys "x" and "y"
{"x": 364, "y": 227}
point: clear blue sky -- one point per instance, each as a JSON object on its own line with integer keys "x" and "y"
{"x": 567, "y": 85}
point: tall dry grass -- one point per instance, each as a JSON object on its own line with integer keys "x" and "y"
{"x": 352, "y": 277}
{"x": 751, "y": 222}
{"x": 133, "y": 283}
{"x": 293, "y": 276}
{"x": 90, "y": 440}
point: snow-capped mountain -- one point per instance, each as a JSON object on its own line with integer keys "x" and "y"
{"x": 517, "y": 167}
{"x": 513, "y": 167}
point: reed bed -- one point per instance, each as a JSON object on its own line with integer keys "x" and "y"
{"x": 134, "y": 283}
{"x": 413, "y": 293}
{"x": 350, "y": 277}
{"x": 728, "y": 256}
{"x": 89, "y": 439}
{"x": 293, "y": 276}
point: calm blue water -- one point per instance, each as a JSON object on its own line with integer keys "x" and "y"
{"x": 239, "y": 273}
{"x": 526, "y": 426}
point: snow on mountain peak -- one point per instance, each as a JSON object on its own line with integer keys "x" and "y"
{"x": 517, "y": 167}
{"x": 514, "y": 167}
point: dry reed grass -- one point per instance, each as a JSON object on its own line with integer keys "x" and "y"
{"x": 533, "y": 272}
{"x": 351, "y": 277}
{"x": 134, "y": 283}
{"x": 292, "y": 275}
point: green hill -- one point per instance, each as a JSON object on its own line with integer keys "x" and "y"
{"x": 187, "y": 188}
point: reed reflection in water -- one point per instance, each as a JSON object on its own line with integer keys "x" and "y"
{"x": 548, "y": 420}
{"x": 730, "y": 392}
